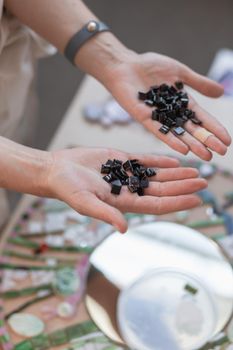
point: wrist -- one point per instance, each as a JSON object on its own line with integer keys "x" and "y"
{"x": 34, "y": 166}
{"x": 101, "y": 54}
{"x": 43, "y": 163}
{"x": 24, "y": 169}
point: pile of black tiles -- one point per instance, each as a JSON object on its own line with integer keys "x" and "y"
{"x": 171, "y": 104}
{"x": 130, "y": 173}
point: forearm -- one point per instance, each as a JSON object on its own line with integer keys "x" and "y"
{"x": 58, "y": 20}
{"x": 23, "y": 169}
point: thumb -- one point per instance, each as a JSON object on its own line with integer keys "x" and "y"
{"x": 96, "y": 208}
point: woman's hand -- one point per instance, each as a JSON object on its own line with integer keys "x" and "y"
{"x": 74, "y": 177}
{"x": 137, "y": 72}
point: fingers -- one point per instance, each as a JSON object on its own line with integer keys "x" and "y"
{"x": 212, "y": 142}
{"x": 170, "y": 139}
{"x": 196, "y": 146}
{"x": 167, "y": 205}
{"x": 175, "y": 188}
{"x": 163, "y": 197}
{"x": 157, "y": 205}
{"x": 150, "y": 160}
{"x": 174, "y": 174}
{"x": 94, "y": 207}
{"x": 201, "y": 83}
{"x": 187, "y": 141}
{"x": 211, "y": 123}
{"x": 216, "y": 143}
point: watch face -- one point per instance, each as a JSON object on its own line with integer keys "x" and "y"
{"x": 166, "y": 309}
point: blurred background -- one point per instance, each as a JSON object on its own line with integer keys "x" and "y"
{"x": 190, "y": 31}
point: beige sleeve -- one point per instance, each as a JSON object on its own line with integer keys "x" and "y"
{"x": 19, "y": 50}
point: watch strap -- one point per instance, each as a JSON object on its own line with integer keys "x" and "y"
{"x": 87, "y": 32}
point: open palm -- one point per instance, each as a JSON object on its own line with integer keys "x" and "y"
{"x": 140, "y": 72}
{"x": 75, "y": 178}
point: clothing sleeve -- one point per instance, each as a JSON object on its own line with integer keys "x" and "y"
{"x": 12, "y": 32}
